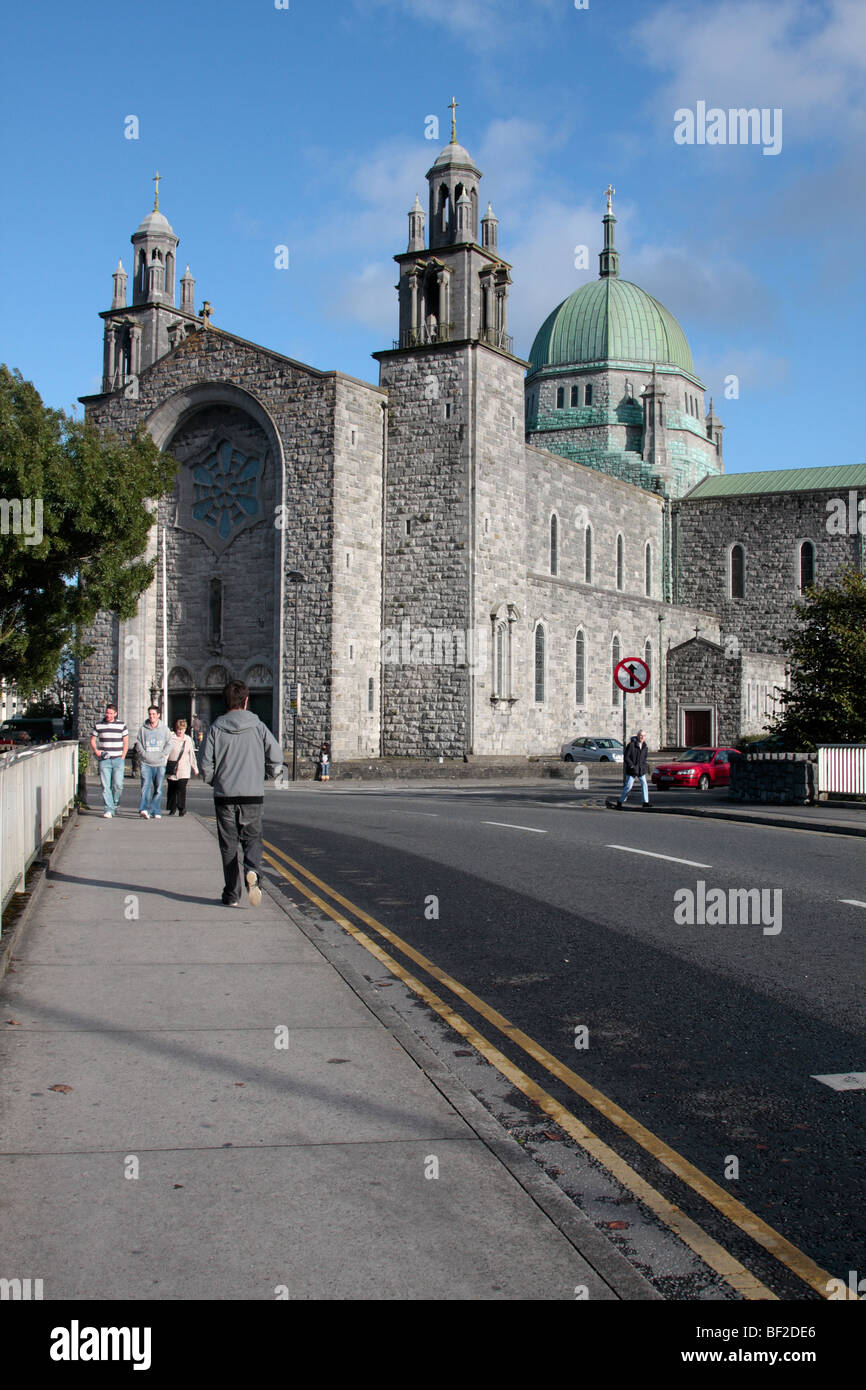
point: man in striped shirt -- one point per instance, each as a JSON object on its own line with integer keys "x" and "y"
{"x": 109, "y": 742}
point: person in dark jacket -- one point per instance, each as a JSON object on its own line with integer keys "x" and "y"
{"x": 239, "y": 752}
{"x": 634, "y": 761}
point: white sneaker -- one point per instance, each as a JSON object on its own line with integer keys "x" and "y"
{"x": 253, "y": 888}
{"x": 106, "y": 815}
{"x": 158, "y": 816}
{"x": 145, "y": 815}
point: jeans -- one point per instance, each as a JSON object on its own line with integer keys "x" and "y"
{"x": 630, "y": 781}
{"x": 111, "y": 777}
{"x": 238, "y": 823}
{"x": 151, "y": 789}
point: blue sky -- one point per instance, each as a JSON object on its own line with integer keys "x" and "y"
{"x": 305, "y": 126}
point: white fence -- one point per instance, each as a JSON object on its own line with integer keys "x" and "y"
{"x": 842, "y": 768}
{"x": 37, "y": 789}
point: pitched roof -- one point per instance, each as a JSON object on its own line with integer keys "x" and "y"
{"x": 832, "y": 478}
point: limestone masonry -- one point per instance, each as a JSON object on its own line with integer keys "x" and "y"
{"x": 480, "y": 539}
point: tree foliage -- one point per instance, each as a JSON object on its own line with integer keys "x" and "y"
{"x": 827, "y": 699}
{"x": 86, "y": 553}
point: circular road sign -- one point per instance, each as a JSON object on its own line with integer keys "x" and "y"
{"x": 632, "y": 675}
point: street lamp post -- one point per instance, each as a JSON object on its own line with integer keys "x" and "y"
{"x": 295, "y": 577}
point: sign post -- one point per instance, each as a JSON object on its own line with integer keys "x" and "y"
{"x": 295, "y": 707}
{"x": 632, "y": 675}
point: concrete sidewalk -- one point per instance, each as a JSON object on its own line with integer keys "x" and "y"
{"x": 158, "y": 1140}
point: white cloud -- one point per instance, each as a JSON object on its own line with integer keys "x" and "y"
{"x": 488, "y": 22}
{"x": 808, "y": 60}
{"x": 543, "y": 255}
{"x": 756, "y": 369}
{"x": 700, "y": 287}
{"x": 368, "y": 297}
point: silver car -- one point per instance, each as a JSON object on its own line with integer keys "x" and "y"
{"x": 592, "y": 750}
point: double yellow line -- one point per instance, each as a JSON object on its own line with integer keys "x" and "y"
{"x": 709, "y": 1250}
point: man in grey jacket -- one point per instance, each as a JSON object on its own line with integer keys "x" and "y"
{"x": 239, "y": 752}
{"x": 152, "y": 745}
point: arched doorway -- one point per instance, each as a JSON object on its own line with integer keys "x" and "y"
{"x": 181, "y": 687}
{"x": 260, "y": 680}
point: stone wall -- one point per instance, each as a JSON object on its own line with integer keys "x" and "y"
{"x": 763, "y": 678}
{"x": 96, "y": 679}
{"x": 771, "y": 528}
{"x": 703, "y": 675}
{"x": 235, "y": 586}
{"x": 501, "y": 545}
{"x": 426, "y": 551}
{"x": 517, "y": 493}
{"x": 608, "y": 434}
{"x": 357, "y": 569}
{"x": 785, "y": 778}
{"x": 294, "y": 406}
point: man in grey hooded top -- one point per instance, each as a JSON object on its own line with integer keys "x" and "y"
{"x": 239, "y": 752}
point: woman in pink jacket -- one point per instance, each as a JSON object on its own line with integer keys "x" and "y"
{"x": 181, "y": 764}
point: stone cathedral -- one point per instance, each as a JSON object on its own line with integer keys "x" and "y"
{"x": 468, "y": 548}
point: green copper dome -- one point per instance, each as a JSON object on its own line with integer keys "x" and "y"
{"x": 610, "y": 320}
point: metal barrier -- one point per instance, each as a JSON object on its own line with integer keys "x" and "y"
{"x": 842, "y": 768}
{"x": 37, "y": 789}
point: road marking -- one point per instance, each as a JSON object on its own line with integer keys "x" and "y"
{"x": 713, "y": 1254}
{"x": 855, "y": 902}
{"x": 506, "y": 826}
{"x": 670, "y": 857}
{"x": 708, "y": 1249}
{"x": 844, "y": 1080}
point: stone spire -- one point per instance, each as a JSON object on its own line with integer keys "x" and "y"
{"x": 489, "y": 230}
{"x": 416, "y": 226}
{"x": 452, "y": 176}
{"x": 714, "y": 428}
{"x": 155, "y": 245}
{"x": 187, "y": 292}
{"x": 118, "y": 300}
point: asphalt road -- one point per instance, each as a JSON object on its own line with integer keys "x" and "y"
{"x": 561, "y": 914}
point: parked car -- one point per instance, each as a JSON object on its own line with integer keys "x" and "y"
{"x": 697, "y": 767}
{"x": 592, "y": 750}
{"x": 773, "y": 743}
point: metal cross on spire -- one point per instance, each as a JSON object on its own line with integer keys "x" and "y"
{"x": 608, "y": 193}
{"x": 156, "y": 178}
{"x": 453, "y": 105}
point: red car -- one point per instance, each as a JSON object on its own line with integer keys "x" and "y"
{"x": 697, "y": 767}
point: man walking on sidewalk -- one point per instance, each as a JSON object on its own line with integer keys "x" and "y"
{"x": 635, "y": 767}
{"x": 152, "y": 745}
{"x": 239, "y": 753}
{"x": 109, "y": 742}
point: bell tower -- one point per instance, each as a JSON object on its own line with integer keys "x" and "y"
{"x": 455, "y": 289}
{"x": 137, "y": 335}
{"x": 455, "y": 403}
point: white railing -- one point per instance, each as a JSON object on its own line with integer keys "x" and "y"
{"x": 842, "y": 768}
{"x": 37, "y": 789}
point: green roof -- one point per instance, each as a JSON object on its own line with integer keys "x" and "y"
{"x": 832, "y": 478}
{"x": 610, "y": 320}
